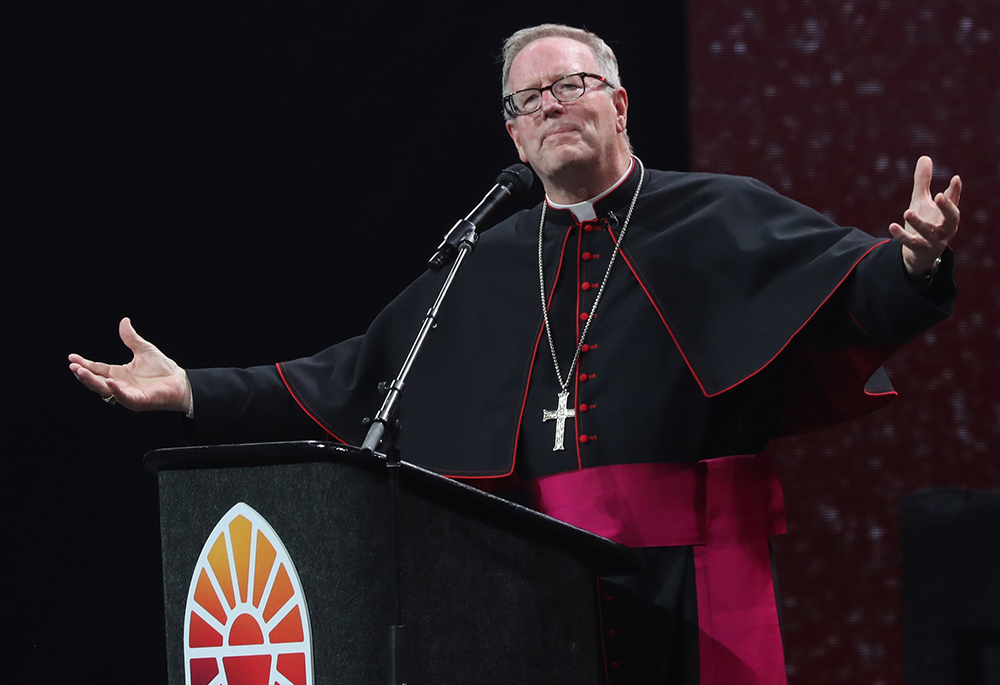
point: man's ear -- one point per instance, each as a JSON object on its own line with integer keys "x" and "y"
{"x": 512, "y": 130}
{"x": 620, "y": 100}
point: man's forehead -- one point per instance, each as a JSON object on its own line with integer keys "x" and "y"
{"x": 548, "y": 58}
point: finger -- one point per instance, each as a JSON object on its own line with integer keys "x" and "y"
{"x": 948, "y": 209}
{"x": 96, "y": 383}
{"x": 931, "y": 232}
{"x": 954, "y": 192}
{"x": 128, "y": 335}
{"x": 129, "y": 397}
{"x": 918, "y": 255}
{"x": 123, "y": 396}
{"x": 922, "y": 178}
{"x": 907, "y": 238}
{"x": 926, "y": 237}
{"x": 132, "y": 340}
{"x": 98, "y": 368}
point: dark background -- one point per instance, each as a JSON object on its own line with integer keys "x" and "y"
{"x": 253, "y": 181}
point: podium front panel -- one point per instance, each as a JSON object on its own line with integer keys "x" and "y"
{"x": 481, "y": 603}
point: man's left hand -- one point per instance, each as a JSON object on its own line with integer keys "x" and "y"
{"x": 930, "y": 222}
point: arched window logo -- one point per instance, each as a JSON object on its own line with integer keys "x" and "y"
{"x": 246, "y": 621}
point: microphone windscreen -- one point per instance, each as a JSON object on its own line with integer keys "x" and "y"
{"x": 517, "y": 177}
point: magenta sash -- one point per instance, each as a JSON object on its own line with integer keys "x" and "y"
{"x": 725, "y": 508}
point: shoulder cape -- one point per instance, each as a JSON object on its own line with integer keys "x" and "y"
{"x": 734, "y": 270}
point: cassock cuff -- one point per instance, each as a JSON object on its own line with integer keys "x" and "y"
{"x": 245, "y": 405}
{"x": 889, "y": 306}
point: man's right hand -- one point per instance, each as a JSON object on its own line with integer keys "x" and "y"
{"x": 150, "y": 381}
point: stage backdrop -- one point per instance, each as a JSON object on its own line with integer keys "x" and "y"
{"x": 831, "y": 103}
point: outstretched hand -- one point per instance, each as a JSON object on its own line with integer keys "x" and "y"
{"x": 930, "y": 222}
{"x": 150, "y": 381}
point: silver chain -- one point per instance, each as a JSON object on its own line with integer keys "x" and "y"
{"x": 564, "y": 384}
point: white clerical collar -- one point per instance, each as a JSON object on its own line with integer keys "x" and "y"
{"x": 584, "y": 211}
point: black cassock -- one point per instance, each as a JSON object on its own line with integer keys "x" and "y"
{"x": 731, "y": 315}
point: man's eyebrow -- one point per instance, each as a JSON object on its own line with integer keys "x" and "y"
{"x": 546, "y": 82}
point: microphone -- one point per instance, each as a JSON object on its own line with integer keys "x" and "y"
{"x": 512, "y": 181}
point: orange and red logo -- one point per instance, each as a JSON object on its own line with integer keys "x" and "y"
{"x": 246, "y": 621}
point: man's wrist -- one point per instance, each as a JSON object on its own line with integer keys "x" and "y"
{"x": 923, "y": 275}
{"x": 922, "y": 283}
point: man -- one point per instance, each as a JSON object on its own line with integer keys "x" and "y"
{"x": 654, "y": 331}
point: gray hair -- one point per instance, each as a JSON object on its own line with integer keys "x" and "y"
{"x": 606, "y": 61}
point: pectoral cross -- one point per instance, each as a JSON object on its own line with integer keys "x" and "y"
{"x": 560, "y": 414}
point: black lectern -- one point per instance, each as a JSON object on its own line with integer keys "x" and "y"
{"x": 951, "y": 591}
{"x": 489, "y": 591}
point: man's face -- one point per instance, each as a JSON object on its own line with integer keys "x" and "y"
{"x": 562, "y": 135}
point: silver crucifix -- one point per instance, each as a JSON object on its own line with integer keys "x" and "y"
{"x": 560, "y": 414}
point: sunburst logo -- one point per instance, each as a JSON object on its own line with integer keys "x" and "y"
{"x": 246, "y": 621}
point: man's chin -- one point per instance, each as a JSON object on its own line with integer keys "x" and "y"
{"x": 563, "y": 157}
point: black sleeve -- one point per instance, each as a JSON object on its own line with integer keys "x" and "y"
{"x": 880, "y": 304}
{"x": 246, "y": 405}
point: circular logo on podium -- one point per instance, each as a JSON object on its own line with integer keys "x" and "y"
{"x": 246, "y": 621}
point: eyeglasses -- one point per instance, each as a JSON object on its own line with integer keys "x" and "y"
{"x": 566, "y": 89}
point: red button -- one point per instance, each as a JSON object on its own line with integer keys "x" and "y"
{"x": 584, "y": 439}
{"x": 584, "y": 407}
{"x": 584, "y": 316}
{"x": 588, "y": 228}
{"x": 586, "y": 347}
{"x": 583, "y": 377}
{"x": 585, "y": 286}
{"x": 586, "y": 256}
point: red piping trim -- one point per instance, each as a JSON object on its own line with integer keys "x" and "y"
{"x": 600, "y": 627}
{"x": 768, "y": 362}
{"x": 673, "y": 337}
{"x": 524, "y": 404}
{"x": 295, "y": 397}
{"x": 858, "y": 324}
{"x": 577, "y": 370}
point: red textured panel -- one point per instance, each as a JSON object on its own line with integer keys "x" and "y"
{"x": 831, "y": 104}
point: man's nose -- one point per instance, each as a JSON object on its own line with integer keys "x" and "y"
{"x": 549, "y": 102}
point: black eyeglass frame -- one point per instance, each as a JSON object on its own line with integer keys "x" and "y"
{"x": 508, "y": 100}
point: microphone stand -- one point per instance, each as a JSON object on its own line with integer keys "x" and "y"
{"x": 384, "y": 431}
